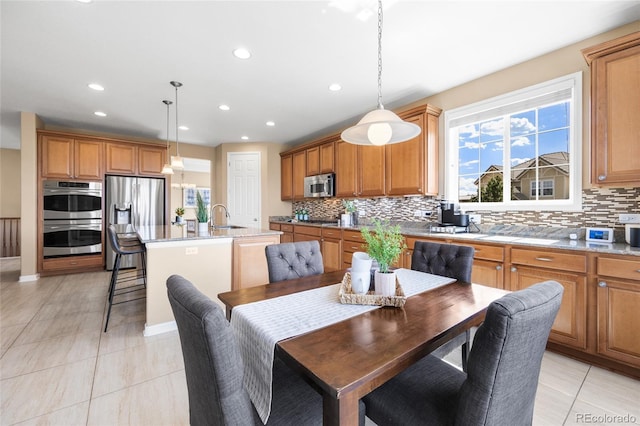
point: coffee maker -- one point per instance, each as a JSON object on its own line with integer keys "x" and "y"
{"x": 449, "y": 215}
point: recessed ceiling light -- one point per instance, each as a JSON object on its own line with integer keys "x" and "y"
{"x": 245, "y": 138}
{"x": 224, "y": 107}
{"x": 83, "y": 1}
{"x": 270, "y": 123}
{"x": 242, "y": 53}
{"x": 96, "y": 86}
{"x": 335, "y": 87}
{"x": 183, "y": 128}
{"x": 100, "y": 114}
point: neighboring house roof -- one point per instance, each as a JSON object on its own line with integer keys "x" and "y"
{"x": 559, "y": 160}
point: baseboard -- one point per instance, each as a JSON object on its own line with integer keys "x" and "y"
{"x": 165, "y": 327}
{"x": 28, "y": 278}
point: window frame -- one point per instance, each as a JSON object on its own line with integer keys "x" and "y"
{"x": 451, "y": 173}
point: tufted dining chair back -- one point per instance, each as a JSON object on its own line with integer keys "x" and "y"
{"x": 288, "y": 261}
{"x": 447, "y": 260}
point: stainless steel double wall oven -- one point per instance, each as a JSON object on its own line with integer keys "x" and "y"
{"x": 72, "y": 218}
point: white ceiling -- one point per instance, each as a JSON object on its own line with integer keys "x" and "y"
{"x": 52, "y": 50}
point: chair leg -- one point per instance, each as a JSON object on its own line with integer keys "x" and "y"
{"x": 112, "y": 290}
{"x": 465, "y": 350}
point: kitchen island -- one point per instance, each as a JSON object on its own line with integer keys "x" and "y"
{"x": 204, "y": 259}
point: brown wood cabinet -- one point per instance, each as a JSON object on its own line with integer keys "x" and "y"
{"x": 331, "y": 249}
{"x": 307, "y": 233}
{"x": 249, "y": 261}
{"x": 134, "y": 159}
{"x": 359, "y": 170}
{"x": 286, "y": 177}
{"x": 412, "y": 167}
{"x": 530, "y": 266}
{"x": 72, "y": 264}
{"x": 327, "y": 157}
{"x": 615, "y": 102}
{"x": 618, "y": 301}
{"x": 352, "y": 242}
{"x": 299, "y": 171}
{"x": 70, "y": 158}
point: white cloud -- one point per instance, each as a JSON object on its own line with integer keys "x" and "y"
{"x": 466, "y": 186}
{"x": 474, "y": 145}
{"x": 521, "y": 125}
{"x": 469, "y": 163}
{"x": 520, "y": 141}
{"x": 516, "y": 161}
{"x": 498, "y": 146}
{"x": 495, "y": 127}
{"x": 469, "y": 131}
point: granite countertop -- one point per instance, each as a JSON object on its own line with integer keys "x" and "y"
{"x": 552, "y": 238}
{"x": 165, "y": 233}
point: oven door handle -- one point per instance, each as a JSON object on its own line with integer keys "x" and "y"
{"x": 95, "y": 193}
{"x": 71, "y": 227}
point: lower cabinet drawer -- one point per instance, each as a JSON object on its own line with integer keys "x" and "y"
{"x": 71, "y": 263}
{"x": 549, "y": 260}
{"x": 619, "y": 268}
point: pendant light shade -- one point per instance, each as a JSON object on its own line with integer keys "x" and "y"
{"x": 380, "y": 126}
{"x": 166, "y": 169}
{"x": 176, "y": 160}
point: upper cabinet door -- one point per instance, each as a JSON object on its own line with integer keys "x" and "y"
{"x": 313, "y": 161}
{"x": 405, "y": 163}
{"x": 122, "y": 158}
{"x": 371, "y": 171}
{"x": 286, "y": 177}
{"x": 346, "y": 169}
{"x": 56, "y": 154}
{"x": 615, "y": 102}
{"x": 151, "y": 159}
{"x": 67, "y": 158}
{"x": 327, "y": 157}
{"x": 299, "y": 173}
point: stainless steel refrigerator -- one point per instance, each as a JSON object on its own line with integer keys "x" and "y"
{"x": 136, "y": 201}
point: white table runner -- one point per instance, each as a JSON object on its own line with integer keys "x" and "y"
{"x": 260, "y": 325}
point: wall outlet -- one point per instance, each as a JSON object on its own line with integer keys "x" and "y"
{"x": 475, "y": 218}
{"x": 629, "y": 218}
{"x": 191, "y": 250}
{"x": 417, "y": 213}
{"x": 362, "y": 213}
{"x": 426, "y": 213}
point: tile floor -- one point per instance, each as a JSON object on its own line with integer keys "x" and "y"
{"x": 57, "y": 367}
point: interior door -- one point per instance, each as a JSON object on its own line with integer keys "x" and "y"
{"x": 243, "y": 189}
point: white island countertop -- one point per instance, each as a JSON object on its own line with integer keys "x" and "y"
{"x": 173, "y": 233}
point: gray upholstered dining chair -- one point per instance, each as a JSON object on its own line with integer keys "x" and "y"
{"x": 448, "y": 260}
{"x": 287, "y": 261}
{"x": 214, "y": 369}
{"x": 504, "y": 365}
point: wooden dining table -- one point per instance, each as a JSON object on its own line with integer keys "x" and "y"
{"x": 347, "y": 360}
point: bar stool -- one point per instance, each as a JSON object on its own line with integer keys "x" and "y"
{"x": 120, "y": 283}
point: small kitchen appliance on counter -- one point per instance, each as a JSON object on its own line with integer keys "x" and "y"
{"x": 450, "y": 220}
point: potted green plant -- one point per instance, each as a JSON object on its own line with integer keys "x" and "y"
{"x": 179, "y": 214}
{"x": 349, "y": 216}
{"x": 384, "y": 245}
{"x": 202, "y": 214}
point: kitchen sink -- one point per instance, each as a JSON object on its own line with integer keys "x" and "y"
{"x": 229, "y": 227}
{"x": 541, "y": 241}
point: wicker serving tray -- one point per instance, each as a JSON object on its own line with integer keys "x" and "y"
{"x": 346, "y": 295}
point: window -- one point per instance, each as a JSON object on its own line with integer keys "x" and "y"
{"x": 542, "y": 188}
{"x": 517, "y": 151}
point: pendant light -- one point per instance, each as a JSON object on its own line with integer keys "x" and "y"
{"x": 166, "y": 169}
{"x": 380, "y": 126}
{"x": 176, "y": 161}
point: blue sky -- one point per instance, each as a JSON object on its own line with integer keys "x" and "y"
{"x": 482, "y": 144}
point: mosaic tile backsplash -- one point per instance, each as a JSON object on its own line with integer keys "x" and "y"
{"x": 600, "y": 208}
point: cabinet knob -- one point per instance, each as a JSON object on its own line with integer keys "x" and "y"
{"x": 514, "y": 269}
{"x": 602, "y": 177}
{"x": 498, "y": 268}
{"x": 602, "y": 284}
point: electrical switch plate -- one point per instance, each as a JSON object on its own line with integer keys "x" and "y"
{"x": 362, "y": 213}
{"x": 475, "y": 218}
{"x": 417, "y": 213}
{"x": 629, "y": 218}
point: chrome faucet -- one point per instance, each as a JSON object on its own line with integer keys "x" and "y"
{"x": 213, "y": 207}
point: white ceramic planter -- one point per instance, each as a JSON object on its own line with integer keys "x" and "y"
{"x": 203, "y": 227}
{"x": 385, "y": 283}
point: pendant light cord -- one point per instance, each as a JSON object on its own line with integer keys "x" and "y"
{"x": 177, "y": 145}
{"x": 167, "y": 103}
{"x": 380, "y": 106}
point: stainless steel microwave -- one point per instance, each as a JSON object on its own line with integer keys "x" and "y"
{"x": 320, "y": 185}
